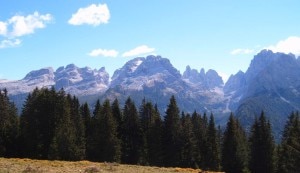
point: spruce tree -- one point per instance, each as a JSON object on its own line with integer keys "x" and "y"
{"x": 262, "y": 147}
{"x": 78, "y": 122}
{"x": 131, "y": 135}
{"x": 188, "y": 150}
{"x": 63, "y": 142}
{"x": 235, "y": 148}
{"x": 289, "y": 153}
{"x": 86, "y": 116}
{"x": 38, "y": 121}
{"x": 9, "y": 126}
{"x": 171, "y": 135}
{"x": 203, "y": 141}
{"x": 199, "y": 131}
{"x": 93, "y": 137}
{"x": 212, "y": 159}
{"x": 117, "y": 114}
{"x": 110, "y": 145}
{"x": 154, "y": 137}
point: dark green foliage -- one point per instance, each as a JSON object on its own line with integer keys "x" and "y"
{"x": 39, "y": 119}
{"x": 110, "y": 145}
{"x": 235, "y": 149}
{"x": 212, "y": 160}
{"x": 63, "y": 142}
{"x": 154, "y": 137}
{"x": 199, "y": 131}
{"x": 188, "y": 143}
{"x": 132, "y": 139}
{"x": 51, "y": 127}
{"x": 93, "y": 139}
{"x": 9, "y": 126}
{"x": 262, "y": 147}
{"x": 289, "y": 153}
{"x": 78, "y": 122}
{"x": 151, "y": 125}
{"x": 171, "y": 135}
{"x": 86, "y": 116}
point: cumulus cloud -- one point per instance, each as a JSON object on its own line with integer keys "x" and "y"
{"x": 23, "y": 25}
{"x": 138, "y": 51}
{"x": 241, "y": 51}
{"x": 9, "y": 43}
{"x": 103, "y": 52}
{"x": 91, "y": 15}
{"x": 289, "y": 45}
{"x": 3, "y": 28}
{"x": 18, "y": 26}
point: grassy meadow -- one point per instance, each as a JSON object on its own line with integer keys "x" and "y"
{"x": 45, "y": 166}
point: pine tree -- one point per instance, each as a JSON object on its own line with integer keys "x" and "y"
{"x": 67, "y": 142}
{"x": 86, "y": 116}
{"x": 145, "y": 114}
{"x": 154, "y": 138}
{"x": 110, "y": 145}
{"x": 38, "y": 121}
{"x": 198, "y": 129}
{"x": 171, "y": 135}
{"x": 188, "y": 150}
{"x": 78, "y": 122}
{"x": 213, "y": 155}
{"x": 117, "y": 114}
{"x": 262, "y": 147}
{"x": 9, "y": 126}
{"x": 63, "y": 143}
{"x": 131, "y": 136}
{"x": 93, "y": 137}
{"x": 289, "y": 153}
{"x": 235, "y": 148}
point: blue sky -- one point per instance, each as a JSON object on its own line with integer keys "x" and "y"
{"x": 220, "y": 35}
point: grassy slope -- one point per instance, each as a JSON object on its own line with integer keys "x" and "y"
{"x": 45, "y": 166}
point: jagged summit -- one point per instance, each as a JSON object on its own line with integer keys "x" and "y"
{"x": 141, "y": 72}
{"x": 209, "y": 79}
{"x": 46, "y": 73}
{"x": 271, "y": 83}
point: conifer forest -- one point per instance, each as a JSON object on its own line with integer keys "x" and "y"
{"x": 53, "y": 125}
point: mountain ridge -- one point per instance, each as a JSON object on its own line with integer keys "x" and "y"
{"x": 270, "y": 84}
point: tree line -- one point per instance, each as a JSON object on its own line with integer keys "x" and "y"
{"x": 53, "y": 125}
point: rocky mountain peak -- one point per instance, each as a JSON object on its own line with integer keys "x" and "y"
{"x": 213, "y": 79}
{"x": 157, "y": 64}
{"x": 80, "y": 80}
{"x": 235, "y": 82}
{"x": 140, "y": 70}
{"x": 44, "y": 74}
{"x": 264, "y": 59}
{"x": 209, "y": 79}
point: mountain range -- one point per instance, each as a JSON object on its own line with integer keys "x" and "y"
{"x": 270, "y": 84}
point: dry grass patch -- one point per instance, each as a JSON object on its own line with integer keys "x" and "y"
{"x": 45, "y": 166}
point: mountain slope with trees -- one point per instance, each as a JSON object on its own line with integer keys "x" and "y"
{"x": 55, "y": 126}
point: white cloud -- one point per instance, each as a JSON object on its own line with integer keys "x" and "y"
{"x": 18, "y": 26}
{"x": 23, "y": 25}
{"x": 91, "y": 15}
{"x": 138, "y": 51}
{"x": 241, "y": 51}
{"x": 289, "y": 45}
{"x": 9, "y": 43}
{"x": 103, "y": 52}
{"x": 3, "y": 28}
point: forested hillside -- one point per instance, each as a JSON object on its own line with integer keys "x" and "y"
{"x": 53, "y": 125}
